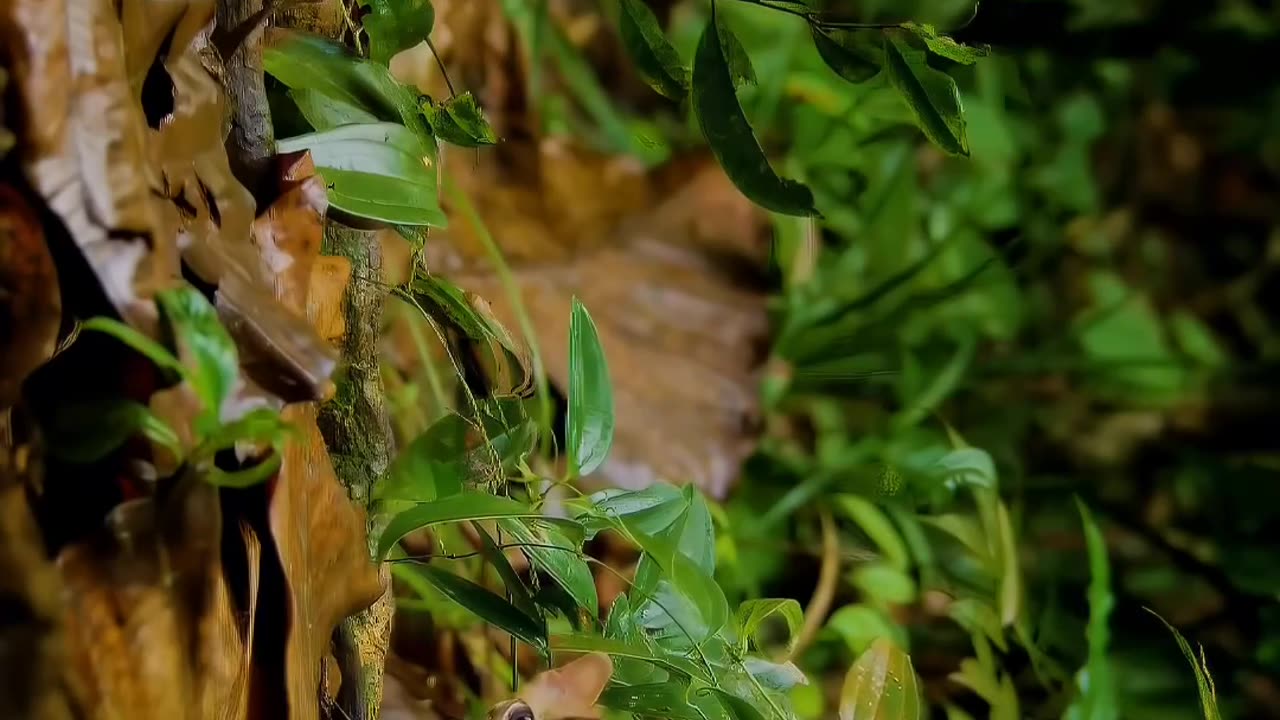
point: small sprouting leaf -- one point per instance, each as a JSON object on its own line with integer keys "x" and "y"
{"x": 618, "y": 648}
{"x": 1204, "y": 681}
{"x": 374, "y": 171}
{"x": 467, "y": 505}
{"x": 753, "y": 613}
{"x": 552, "y": 552}
{"x": 729, "y": 133}
{"x": 655, "y": 58}
{"x": 197, "y": 330}
{"x": 1097, "y": 698}
{"x": 395, "y": 25}
{"x": 487, "y": 605}
{"x": 459, "y": 120}
{"x": 881, "y": 685}
{"x": 855, "y": 55}
{"x": 931, "y": 94}
{"x": 324, "y": 112}
{"x": 433, "y": 465}
{"x": 589, "y": 425}
{"x": 87, "y": 432}
{"x": 944, "y": 46}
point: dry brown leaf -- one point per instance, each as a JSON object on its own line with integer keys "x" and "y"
{"x": 30, "y": 305}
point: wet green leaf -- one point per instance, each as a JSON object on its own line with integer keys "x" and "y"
{"x": 729, "y": 133}
{"x": 881, "y": 685}
{"x": 395, "y": 25}
{"x": 552, "y": 552}
{"x": 374, "y": 171}
{"x": 487, "y": 605}
{"x": 589, "y": 425}
{"x": 931, "y": 94}
{"x": 739, "y": 709}
{"x": 658, "y": 700}
{"x": 655, "y": 58}
{"x": 616, "y": 648}
{"x": 855, "y": 55}
{"x": 460, "y": 121}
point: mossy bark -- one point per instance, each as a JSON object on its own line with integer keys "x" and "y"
{"x": 357, "y": 431}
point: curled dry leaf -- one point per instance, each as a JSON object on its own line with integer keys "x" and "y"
{"x": 30, "y": 306}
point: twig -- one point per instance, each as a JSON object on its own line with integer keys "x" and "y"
{"x": 825, "y": 591}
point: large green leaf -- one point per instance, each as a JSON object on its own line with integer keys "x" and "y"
{"x": 931, "y": 94}
{"x": 650, "y": 510}
{"x": 881, "y": 685}
{"x": 651, "y": 700}
{"x": 686, "y": 593}
{"x": 855, "y": 55}
{"x": 516, "y": 589}
{"x": 375, "y": 171}
{"x": 467, "y": 505}
{"x": 729, "y": 133}
{"x": 459, "y": 120}
{"x": 1095, "y": 681}
{"x": 552, "y": 552}
{"x": 487, "y": 605}
{"x": 655, "y": 58}
{"x": 214, "y": 365}
{"x": 88, "y": 431}
{"x": 324, "y": 112}
{"x": 433, "y": 465}
{"x": 579, "y": 643}
{"x": 395, "y": 25}
{"x": 303, "y": 60}
{"x": 589, "y": 425}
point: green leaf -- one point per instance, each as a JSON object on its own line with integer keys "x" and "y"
{"x": 686, "y": 591}
{"x": 779, "y": 677}
{"x": 738, "y": 708}
{"x": 324, "y": 112}
{"x": 877, "y": 526}
{"x": 1097, "y": 699}
{"x": 655, "y": 58}
{"x": 432, "y": 466}
{"x": 650, "y": 510}
{"x": 487, "y": 605}
{"x": 885, "y": 584}
{"x": 617, "y": 648}
{"x": 303, "y": 60}
{"x": 467, "y": 505}
{"x": 944, "y": 46}
{"x": 932, "y": 95}
{"x": 87, "y": 432}
{"x": 729, "y": 133}
{"x": 589, "y": 425}
{"x": 651, "y": 700}
{"x": 197, "y": 330}
{"x": 260, "y": 425}
{"x": 740, "y": 67}
{"x": 1204, "y": 681}
{"x": 881, "y": 685}
{"x": 374, "y": 171}
{"x": 519, "y": 593}
{"x": 152, "y": 350}
{"x": 860, "y": 625}
{"x": 247, "y": 477}
{"x": 459, "y": 120}
{"x": 753, "y": 613}
{"x": 563, "y": 561}
{"x": 855, "y": 55}
{"x": 395, "y": 25}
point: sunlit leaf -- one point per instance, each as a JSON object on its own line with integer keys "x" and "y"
{"x": 931, "y": 94}
{"x": 753, "y": 613}
{"x": 460, "y": 121}
{"x": 881, "y": 685}
{"x": 589, "y": 425}
{"x": 944, "y": 46}
{"x": 487, "y": 605}
{"x": 197, "y": 330}
{"x": 374, "y": 171}
{"x": 395, "y": 25}
{"x": 467, "y": 505}
{"x": 729, "y": 133}
{"x": 655, "y": 58}
{"x": 855, "y": 55}
{"x": 1204, "y": 681}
